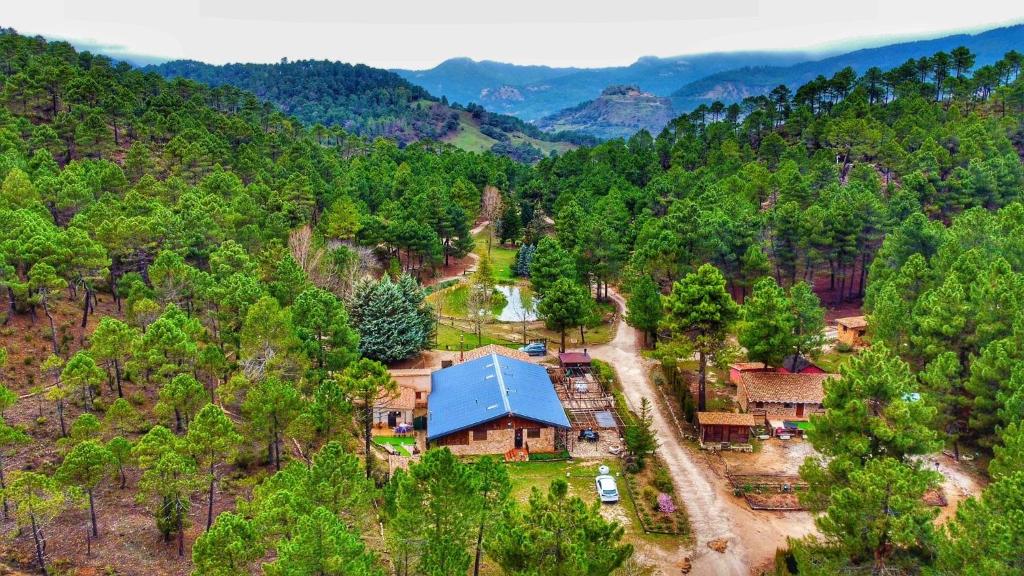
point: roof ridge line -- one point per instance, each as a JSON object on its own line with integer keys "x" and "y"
{"x": 501, "y": 382}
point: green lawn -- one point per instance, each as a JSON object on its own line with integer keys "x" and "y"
{"x": 403, "y": 444}
{"x": 456, "y": 301}
{"x": 501, "y": 257}
{"x": 529, "y": 475}
{"x": 449, "y": 336}
{"x": 832, "y": 361}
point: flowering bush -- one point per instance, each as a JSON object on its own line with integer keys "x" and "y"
{"x": 665, "y": 504}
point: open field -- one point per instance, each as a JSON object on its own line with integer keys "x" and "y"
{"x": 469, "y": 137}
{"x": 501, "y": 256}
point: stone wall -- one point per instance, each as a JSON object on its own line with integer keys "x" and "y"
{"x": 499, "y": 440}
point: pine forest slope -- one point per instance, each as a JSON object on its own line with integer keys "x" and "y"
{"x": 369, "y": 102}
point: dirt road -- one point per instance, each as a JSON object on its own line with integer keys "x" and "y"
{"x": 710, "y": 517}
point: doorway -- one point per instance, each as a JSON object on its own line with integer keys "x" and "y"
{"x": 799, "y": 410}
{"x": 393, "y": 419}
{"x": 519, "y": 437}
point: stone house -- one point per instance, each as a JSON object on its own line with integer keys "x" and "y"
{"x": 390, "y": 410}
{"x": 495, "y": 405}
{"x": 782, "y": 395}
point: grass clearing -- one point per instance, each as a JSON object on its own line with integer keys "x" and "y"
{"x": 448, "y": 339}
{"x": 579, "y": 474}
{"x": 833, "y": 360}
{"x": 501, "y": 256}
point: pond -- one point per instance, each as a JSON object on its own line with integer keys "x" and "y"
{"x": 515, "y": 309}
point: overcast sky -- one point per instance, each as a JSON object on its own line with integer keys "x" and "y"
{"x": 421, "y": 33}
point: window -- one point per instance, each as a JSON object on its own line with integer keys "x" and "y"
{"x": 479, "y": 435}
{"x": 419, "y": 395}
{"x": 759, "y": 404}
{"x": 533, "y": 432}
{"x": 787, "y": 404}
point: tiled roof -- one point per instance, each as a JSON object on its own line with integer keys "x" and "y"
{"x": 853, "y": 322}
{"x": 489, "y": 388}
{"x": 495, "y": 349}
{"x": 741, "y": 366}
{"x": 403, "y": 399}
{"x": 777, "y": 387}
{"x": 725, "y": 419}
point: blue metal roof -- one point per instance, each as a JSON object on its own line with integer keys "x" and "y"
{"x": 488, "y": 388}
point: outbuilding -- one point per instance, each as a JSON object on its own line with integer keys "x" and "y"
{"x": 719, "y": 427}
{"x": 851, "y": 330}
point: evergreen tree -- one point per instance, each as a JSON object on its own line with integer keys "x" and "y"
{"x": 212, "y": 440}
{"x": 86, "y": 466}
{"x": 700, "y": 309}
{"x": 565, "y": 305}
{"x": 558, "y": 534}
{"x": 227, "y": 548}
{"x": 768, "y": 325}
{"x": 643, "y": 308}
{"x": 549, "y": 264}
{"x": 366, "y": 382}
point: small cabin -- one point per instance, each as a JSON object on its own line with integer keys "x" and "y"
{"x": 851, "y": 331}
{"x": 720, "y": 427}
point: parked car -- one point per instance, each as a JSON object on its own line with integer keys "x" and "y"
{"x": 535, "y": 349}
{"x": 607, "y": 490}
{"x": 589, "y": 435}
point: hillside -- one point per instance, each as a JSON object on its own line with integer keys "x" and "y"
{"x": 734, "y": 85}
{"x": 620, "y": 111}
{"x": 532, "y": 92}
{"x": 369, "y": 102}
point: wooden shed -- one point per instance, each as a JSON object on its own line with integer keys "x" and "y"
{"x": 718, "y": 427}
{"x": 851, "y": 330}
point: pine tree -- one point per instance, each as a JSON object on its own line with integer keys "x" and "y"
{"x": 87, "y": 465}
{"x": 768, "y": 324}
{"x": 558, "y": 534}
{"x": 700, "y": 309}
{"x": 212, "y": 441}
{"x": 644, "y": 309}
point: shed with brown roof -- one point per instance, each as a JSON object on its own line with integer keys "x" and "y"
{"x": 724, "y": 427}
{"x": 851, "y": 330}
{"x": 782, "y": 395}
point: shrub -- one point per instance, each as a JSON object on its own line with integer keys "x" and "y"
{"x": 665, "y": 504}
{"x": 663, "y": 481}
{"x": 843, "y": 347}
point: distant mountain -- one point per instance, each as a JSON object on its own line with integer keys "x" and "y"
{"x": 371, "y": 102}
{"x": 620, "y": 111}
{"x": 532, "y": 92}
{"x": 734, "y": 85}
